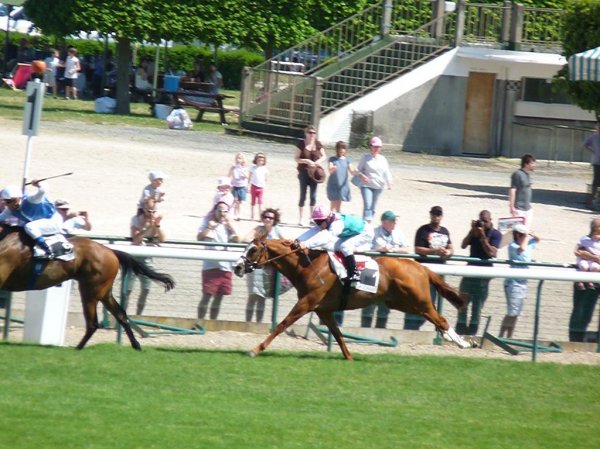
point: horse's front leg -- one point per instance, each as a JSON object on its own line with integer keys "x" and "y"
{"x": 329, "y": 321}
{"x": 298, "y": 311}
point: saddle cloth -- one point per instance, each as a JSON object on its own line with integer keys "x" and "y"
{"x": 62, "y": 249}
{"x": 366, "y": 266}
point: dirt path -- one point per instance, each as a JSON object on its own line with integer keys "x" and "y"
{"x": 110, "y": 165}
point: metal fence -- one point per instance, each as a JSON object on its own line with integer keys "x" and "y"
{"x": 182, "y": 302}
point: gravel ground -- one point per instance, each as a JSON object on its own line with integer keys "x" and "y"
{"x": 110, "y": 165}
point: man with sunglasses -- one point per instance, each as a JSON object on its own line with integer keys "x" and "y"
{"x": 34, "y": 212}
{"x": 339, "y": 232}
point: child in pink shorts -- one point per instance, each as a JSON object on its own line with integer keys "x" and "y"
{"x": 258, "y": 181}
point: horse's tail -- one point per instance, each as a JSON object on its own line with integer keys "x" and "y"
{"x": 128, "y": 262}
{"x": 457, "y": 299}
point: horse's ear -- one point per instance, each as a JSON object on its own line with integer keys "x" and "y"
{"x": 261, "y": 234}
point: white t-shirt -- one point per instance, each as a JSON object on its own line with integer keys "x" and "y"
{"x": 258, "y": 175}
{"x": 71, "y": 66}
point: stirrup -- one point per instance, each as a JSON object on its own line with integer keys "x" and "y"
{"x": 355, "y": 277}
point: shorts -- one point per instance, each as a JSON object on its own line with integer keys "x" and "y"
{"x": 516, "y": 293}
{"x": 239, "y": 193}
{"x": 217, "y": 282}
{"x": 71, "y": 82}
{"x": 257, "y": 194}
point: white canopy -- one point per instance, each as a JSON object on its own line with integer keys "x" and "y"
{"x": 585, "y": 66}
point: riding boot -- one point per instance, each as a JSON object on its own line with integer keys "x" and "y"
{"x": 42, "y": 244}
{"x": 353, "y": 274}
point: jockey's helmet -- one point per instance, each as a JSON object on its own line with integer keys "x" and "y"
{"x": 321, "y": 212}
{"x": 12, "y": 191}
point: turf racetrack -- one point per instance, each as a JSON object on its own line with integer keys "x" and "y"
{"x": 108, "y": 396}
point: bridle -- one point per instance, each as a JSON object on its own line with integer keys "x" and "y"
{"x": 253, "y": 265}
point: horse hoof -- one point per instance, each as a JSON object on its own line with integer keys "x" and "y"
{"x": 252, "y": 354}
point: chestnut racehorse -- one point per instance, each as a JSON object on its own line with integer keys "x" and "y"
{"x": 94, "y": 267}
{"x": 403, "y": 285}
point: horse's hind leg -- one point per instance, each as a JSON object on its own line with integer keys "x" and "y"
{"x": 121, "y": 316}
{"x": 445, "y": 329}
{"x": 329, "y": 321}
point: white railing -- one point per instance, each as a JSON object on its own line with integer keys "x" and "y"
{"x": 538, "y": 273}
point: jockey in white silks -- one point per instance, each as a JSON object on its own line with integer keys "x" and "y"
{"x": 339, "y": 232}
{"x": 34, "y": 212}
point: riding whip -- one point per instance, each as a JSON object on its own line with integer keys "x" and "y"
{"x": 51, "y": 177}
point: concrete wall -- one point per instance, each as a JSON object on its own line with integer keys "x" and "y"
{"x": 423, "y": 111}
{"x": 427, "y": 119}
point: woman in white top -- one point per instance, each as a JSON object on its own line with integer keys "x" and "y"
{"x": 374, "y": 174}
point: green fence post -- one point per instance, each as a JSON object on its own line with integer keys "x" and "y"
{"x": 536, "y": 322}
{"x": 275, "y": 300}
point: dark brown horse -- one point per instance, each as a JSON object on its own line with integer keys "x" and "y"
{"x": 403, "y": 285}
{"x": 94, "y": 267}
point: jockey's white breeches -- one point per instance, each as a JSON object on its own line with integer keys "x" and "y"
{"x": 360, "y": 242}
{"x": 44, "y": 226}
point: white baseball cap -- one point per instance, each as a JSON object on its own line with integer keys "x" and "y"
{"x": 520, "y": 228}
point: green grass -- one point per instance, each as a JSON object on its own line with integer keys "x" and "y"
{"x": 82, "y": 111}
{"x": 108, "y": 396}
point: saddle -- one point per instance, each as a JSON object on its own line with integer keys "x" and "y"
{"x": 366, "y": 266}
{"x": 62, "y": 249}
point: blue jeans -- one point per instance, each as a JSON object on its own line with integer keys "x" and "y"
{"x": 370, "y": 197}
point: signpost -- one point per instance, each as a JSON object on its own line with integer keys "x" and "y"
{"x": 32, "y": 113}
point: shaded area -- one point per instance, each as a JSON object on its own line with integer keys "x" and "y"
{"x": 571, "y": 200}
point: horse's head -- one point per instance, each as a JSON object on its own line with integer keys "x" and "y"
{"x": 254, "y": 255}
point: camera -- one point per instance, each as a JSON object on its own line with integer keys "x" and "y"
{"x": 479, "y": 223}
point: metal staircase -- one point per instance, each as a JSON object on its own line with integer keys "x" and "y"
{"x": 343, "y": 63}
{"x": 340, "y": 65}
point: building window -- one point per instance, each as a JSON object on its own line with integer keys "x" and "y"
{"x": 541, "y": 90}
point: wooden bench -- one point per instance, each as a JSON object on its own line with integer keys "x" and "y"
{"x": 203, "y": 102}
{"x": 200, "y": 100}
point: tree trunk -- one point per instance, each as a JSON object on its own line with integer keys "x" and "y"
{"x": 123, "y": 60}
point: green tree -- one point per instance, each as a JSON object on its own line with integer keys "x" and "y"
{"x": 581, "y": 32}
{"x": 127, "y": 21}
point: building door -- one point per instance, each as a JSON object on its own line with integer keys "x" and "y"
{"x": 478, "y": 114}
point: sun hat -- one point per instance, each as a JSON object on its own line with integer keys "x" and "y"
{"x": 376, "y": 142}
{"x": 155, "y": 174}
{"x": 223, "y": 181}
{"x": 321, "y": 212}
{"x": 388, "y": 215}
{"x": 316, "y": 173}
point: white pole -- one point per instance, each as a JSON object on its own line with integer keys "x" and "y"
{"x": 27, "y": 159}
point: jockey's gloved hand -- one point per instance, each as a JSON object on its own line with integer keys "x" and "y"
{"x": 296, "y": 245}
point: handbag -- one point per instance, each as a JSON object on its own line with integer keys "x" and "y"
{"x": 356, "y": 181}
